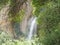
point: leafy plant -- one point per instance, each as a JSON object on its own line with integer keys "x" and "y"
{"x": 5, "y": 40}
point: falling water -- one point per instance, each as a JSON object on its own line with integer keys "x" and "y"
{"x": 32, "y": 28}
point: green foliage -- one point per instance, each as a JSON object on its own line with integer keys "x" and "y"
{"x": 5, "y": 40}
{"x": 48, "y": 14}
{"x": 3, "y": 3}
{"x": 18, "y": 17}
{"x": 4, "y": 37}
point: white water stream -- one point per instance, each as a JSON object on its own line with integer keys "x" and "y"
{"x": 32, "y": 28}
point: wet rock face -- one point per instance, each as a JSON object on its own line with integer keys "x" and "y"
{"x": 3, "y": 16}
{"x": 5, "y": 24}
{"x": 27, "y": 16}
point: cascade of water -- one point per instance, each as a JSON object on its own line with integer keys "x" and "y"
{"x": 32, "y": 28}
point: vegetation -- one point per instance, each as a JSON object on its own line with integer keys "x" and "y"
{"x": 5, "y": 40}
{"x": 48, "y": 21}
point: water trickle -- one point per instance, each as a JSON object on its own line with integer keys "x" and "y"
{"x": 32, "y": 29}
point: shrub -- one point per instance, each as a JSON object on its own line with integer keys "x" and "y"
{"x": 6, "y": 40}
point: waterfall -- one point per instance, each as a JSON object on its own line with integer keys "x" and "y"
{"x": 32, "y": 28}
